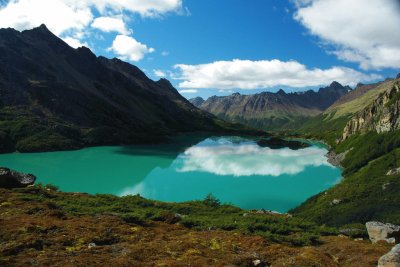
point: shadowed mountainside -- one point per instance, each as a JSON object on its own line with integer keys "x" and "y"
{"x": 54, "y": 97}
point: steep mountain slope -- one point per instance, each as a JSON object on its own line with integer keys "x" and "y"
{"x": 382, "y": 115}
{"x": 358, "y": 98}
{"x": 55, "y": 97}
{"x": 367, "y": 135}
{"x": 272, "y": 110}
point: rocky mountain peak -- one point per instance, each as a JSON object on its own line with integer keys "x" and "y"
{"x": 335, "y": 84}
{"x": 42, "y": 30}
{"x": 359, "y": 85}
{"x": 281, "y": 92}
{"x": 86, "y": 52}
{"x": 197, "y": 101}
{"x": 165, "y": 82}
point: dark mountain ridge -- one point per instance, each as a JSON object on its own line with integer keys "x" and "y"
{"x": 55, "y": 97}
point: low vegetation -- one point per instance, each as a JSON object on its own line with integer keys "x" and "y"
{"x": 198, "y": 215}
{"x": 44, "y": 227}
{"x": 366, "y": 191}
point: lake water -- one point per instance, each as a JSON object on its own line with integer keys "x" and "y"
{"x": 235, "y": 170}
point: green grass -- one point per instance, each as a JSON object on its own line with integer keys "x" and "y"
{"x": 359, "y": 103}
{"x": 367, "y": 147}
{"x": 208, "y": 214}
{"x": 367, "y": 194}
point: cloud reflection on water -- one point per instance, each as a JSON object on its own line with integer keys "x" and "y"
{"x": 250, "y": 159}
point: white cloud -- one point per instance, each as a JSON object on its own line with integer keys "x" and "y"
{"x": 188, "y": 91}
{"x": 146, "y": 8}
{"x": 365, "y": 32}
{"x": 56, "y": 14}
{"x": 250, "y": 159}
{"x": 110, "y": 24}
{"x": 246, "y": 74}
{"x": 129, "y": 49}
{"x": 75, "y": 43}
{"x": 159, "y": 73}
{"x": 164, "y": 53}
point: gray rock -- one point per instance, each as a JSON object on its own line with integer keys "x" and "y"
{"x": 336, "y": 159}
{"x": 179, "y": 216}
{"x": 391, "y": 259}
{"x": 13, "y": 179}
{"x": 256, "y": 263}
{"x": 385, "y": 186}
{"x": 92, "y": 245}
{"x": 378, "y": 231}
{"x": 394, "y": 171}
{"x": 335, "y": 202}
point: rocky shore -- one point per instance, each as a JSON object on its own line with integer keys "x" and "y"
{"x": 336, "y": 159}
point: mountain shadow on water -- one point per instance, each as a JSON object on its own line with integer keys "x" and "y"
{"x": 278, "y": 143}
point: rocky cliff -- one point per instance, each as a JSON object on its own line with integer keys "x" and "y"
{"x": 382, "y": 115}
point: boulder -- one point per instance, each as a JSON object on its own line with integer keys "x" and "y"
{"x": 391, "y": 259}
{"x": 335, "y": 202}
{"x": 394, "y": 171}
{"x": 13, "y": 179}
{"x": 378, "y": 231}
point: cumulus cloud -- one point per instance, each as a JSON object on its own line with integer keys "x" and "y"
{"x": 73, "y": 42}
{"x": 128, "y": 48}
{"x": 246, "y": 74}
{"x": 365, "y": 32}
{"x": 110, "y": 24}
{"x": 56, "y": 14}
{"x": 159, "y": 73}
{"x": 188, "y": 91}
{"x": 250, "y": 159}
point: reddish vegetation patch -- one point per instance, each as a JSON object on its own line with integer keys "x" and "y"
{"x": 40, "y": 234}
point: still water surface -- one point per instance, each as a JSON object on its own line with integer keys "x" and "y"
{"x": 236, "y": 170}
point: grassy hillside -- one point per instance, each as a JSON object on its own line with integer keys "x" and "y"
{"x": 357, "y": 104}
{"x": 366, "y": 191}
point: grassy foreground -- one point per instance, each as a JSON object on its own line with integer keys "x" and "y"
{"x": 43, "y": 227}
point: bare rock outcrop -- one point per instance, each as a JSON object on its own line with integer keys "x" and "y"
{"x": 378, "y": 231}
{"x": 13, "y": 179}
{"x": 391, "y": 259}
{"x": 382, "y": 115}
{"x": 394, "y": 171}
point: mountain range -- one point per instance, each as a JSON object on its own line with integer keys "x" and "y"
{"x": 272, "y": 111}
{"x": 56, "y": 97}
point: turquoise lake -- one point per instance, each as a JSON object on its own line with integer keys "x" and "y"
{"x": 236, "y": 170}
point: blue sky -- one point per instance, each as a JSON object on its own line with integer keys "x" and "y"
{"x": 216, "y": 47}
